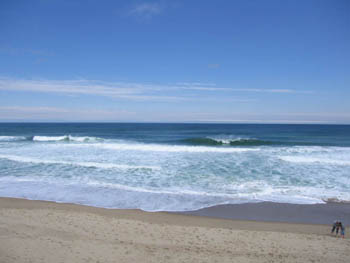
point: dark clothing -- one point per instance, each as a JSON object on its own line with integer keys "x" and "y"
{"x": 338, "y": 226}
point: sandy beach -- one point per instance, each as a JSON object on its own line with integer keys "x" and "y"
{"x": 39, "y": 231}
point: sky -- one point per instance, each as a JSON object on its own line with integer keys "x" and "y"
{"x": 233, "y": 61}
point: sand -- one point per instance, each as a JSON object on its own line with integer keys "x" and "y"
{"x": 38, "y": 231}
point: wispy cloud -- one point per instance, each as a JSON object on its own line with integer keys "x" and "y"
{"x": 180, "y": 91}
{"x": 273, "y": 90}
{"x": 129, "y": 91}
{"x": 19, "y": 113}
{"x": 146, "y": 10}
{"x": 116, "y": 90}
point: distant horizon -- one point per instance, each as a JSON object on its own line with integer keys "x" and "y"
{"x": 189, "y": 122}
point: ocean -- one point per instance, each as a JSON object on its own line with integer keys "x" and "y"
{"x": 174, "y": 167}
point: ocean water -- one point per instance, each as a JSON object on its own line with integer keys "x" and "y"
{"x": 174, "y": 167}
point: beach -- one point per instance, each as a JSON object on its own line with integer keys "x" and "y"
{"x": 40, "y": 231}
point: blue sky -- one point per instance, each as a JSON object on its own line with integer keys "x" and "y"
{"x": 268, "y": 61}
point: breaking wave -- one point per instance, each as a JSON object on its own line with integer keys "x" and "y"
{"x": 64, "y": 138}
{"x": 228, "y": 142}
{"x": 13, "y": 138}
{"x": 68, "y": 138}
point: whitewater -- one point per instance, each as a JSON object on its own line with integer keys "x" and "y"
{"x": 174, "y": 167}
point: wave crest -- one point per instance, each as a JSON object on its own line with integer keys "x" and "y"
{"x": 67, "y": 138}
{"x": 231, "y": 142}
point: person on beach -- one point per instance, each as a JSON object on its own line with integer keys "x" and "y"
{"x": 337, "y": 225}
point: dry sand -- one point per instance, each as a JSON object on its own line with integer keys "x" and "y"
{"x": 38, "y": 231}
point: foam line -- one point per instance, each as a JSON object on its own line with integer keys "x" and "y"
{"x": 84, "y": 164}
{"x": 171, "y": 148}
{"x": 305, "y": 159}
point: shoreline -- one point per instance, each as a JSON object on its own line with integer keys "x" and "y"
{"x": 263, "y": 216}
{"x": 43, "y": 231}
{"x": 265, "y": 211}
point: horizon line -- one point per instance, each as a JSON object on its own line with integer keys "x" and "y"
{"x": 179, "y": 122}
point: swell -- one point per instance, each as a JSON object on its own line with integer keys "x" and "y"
{"x": 195, "y": 141}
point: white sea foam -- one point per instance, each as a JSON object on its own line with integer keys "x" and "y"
{"x": 306, "y": 159}
{"x": 171, "y": 148}
{"x": 104, "y": 194}
{"x": 175, "y": 180}
{"x": 268, "y": 193}
{"x": 311, "y": 149}
{"x": 170, "y": 191}
{"x": 85, "y": 164}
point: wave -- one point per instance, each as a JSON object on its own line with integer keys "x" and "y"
{"x": 67, "y": 138}
{"x": 232, "y": 142}
{"x": 217, "y": 141}
{"x": 84, "y": 164}
{"x": 64, "y": 138}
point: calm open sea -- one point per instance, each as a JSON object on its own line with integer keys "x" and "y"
{"x": 174, "y": 167}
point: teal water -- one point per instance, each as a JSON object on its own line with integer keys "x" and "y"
{"x": 174, "y": 167}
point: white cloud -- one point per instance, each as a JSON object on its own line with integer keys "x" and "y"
{"x": 146, "y": 10}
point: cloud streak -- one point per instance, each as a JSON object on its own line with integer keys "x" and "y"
{"x": 177, "y": 92}
{"x": 273, "y": 91}
{"x": 120, "y": 90}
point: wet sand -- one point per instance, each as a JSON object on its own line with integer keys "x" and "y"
{"x": 39, "y": 231}
{"x": 280, "y": 212}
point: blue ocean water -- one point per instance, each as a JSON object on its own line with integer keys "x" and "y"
{"x": 174, "y": 167}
